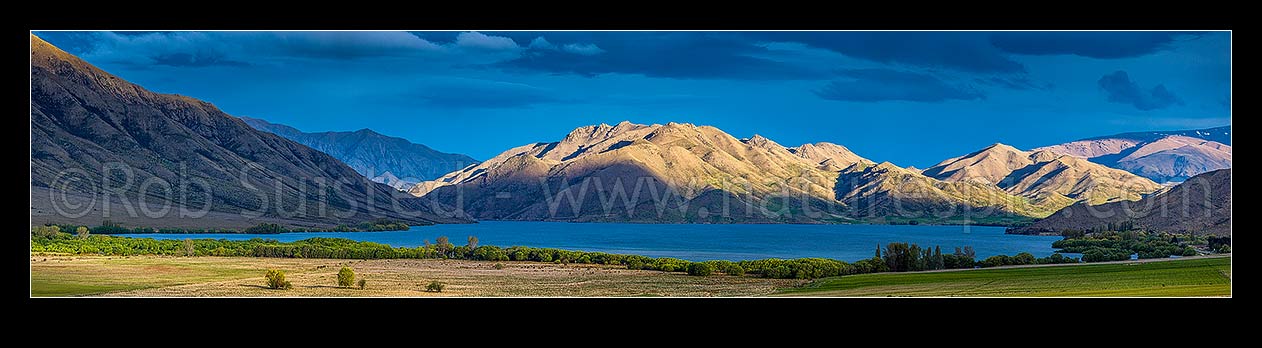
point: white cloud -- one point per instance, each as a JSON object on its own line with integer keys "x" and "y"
{"x": 583, "y": 49}
{"x": 542, "y": 44}
{"x": 473, "y": 39}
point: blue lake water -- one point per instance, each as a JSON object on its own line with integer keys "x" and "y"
{"x": 694, "y": 242}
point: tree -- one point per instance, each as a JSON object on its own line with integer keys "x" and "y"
{"x": 900, "y": 257}
{"x": 276, "y": 280}
{"x": 997, "y": 260}
{"x": 82, "y": 231}
{"x": 969, "y": 252}
{"x": 937, "y": 262}
{"x": 700, "y": 269}
{"x": 41, "y": 231}
{"x": 189, "y": 249}
{"x": 46, "y": 231}
{"x": 442, "y": 245}
{"x": 473, "y": 242}
{"x": 1189, "y": 251}
{"x": 878, "y": 252}
{"x": 345, "y": 277}
{"x": 362, "y": 283}
{"x": 1023, "y": 258}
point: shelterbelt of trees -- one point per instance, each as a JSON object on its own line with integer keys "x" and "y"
{"x": 110, "y": 227}
{"x": 894, "y": 257}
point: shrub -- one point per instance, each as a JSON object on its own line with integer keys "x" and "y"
{"x": 1105, "y": 254}
{"x": 345, "y": 277}
{"x": 997, "y": 260}
{"x": 499, "y": 265}
{"x": 635, "y": 263}
{"x": 1023, "y": 258}
{"x": 727, "y": 267}
{"x": 700, "y": 269}
{"x": 82, "y": 232}
{"x": 489, "y": 253}
{"x": 1189, "y": 251}
{"x": 276, "y": 280}
{"x": 265, "y": 228}
{"x": 779, "y": 272}
{"x": 1056, "y": 258}
{"x": 45, "y": 231}
{"x": 362, "y": 283}
{"x": 435, "y": 286}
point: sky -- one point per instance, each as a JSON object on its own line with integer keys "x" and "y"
{"x": 911, "y": 98}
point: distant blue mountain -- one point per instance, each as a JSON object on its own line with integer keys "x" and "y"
{"x": 389, "y": 160}
{"x": 1218, "y": 134}
{"x": 1163, "y": 156}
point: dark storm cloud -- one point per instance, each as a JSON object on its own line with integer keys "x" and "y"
{"x": 201, "y": 49}
{"x": 681, "y": 55}
{"x": 478, "y": 94}
{"x": 1086, "y": 44}
{"x": 961, "y": 51}
{"x": 1120, "y": 89}
{"x": 875, "y": 85}
{"x": 1020, "y": 82}
{"x": 194, "y": 60}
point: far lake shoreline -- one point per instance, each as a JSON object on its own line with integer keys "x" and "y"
{"x": 694, "y": 242}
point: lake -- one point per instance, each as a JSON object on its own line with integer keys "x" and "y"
{"x": 696, "y": 242}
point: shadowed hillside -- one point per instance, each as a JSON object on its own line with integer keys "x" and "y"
{"x": 104, "y": 148}
{"x": 1202, "y": 204}
{"x": 389, "y": 160}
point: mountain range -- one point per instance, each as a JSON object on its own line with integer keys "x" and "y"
{"x": 1166, "y": 156}
{"x": 627, "y": 172}
{"x": 676, "y": 172}
{"x": 389, "y": 160}
{"x": 1201, "y": 204}
{"x": 105, "y": 148}
{"x": 1043, "y": 175}
{"x": 99, "y": 139}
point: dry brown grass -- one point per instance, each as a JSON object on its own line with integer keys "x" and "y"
{"x": 243, "y": 276}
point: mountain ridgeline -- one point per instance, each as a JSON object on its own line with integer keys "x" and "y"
{"x": 389, "y": 160}
{"x": 105, "y": 149}
{"x": 1166, "y": 156}
{"x": 1043, "y": 175}
{"x": 1201, "y": 204}
{"x": 681, "y": 172}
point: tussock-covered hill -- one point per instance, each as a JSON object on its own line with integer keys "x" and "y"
{"x": 1171, "y": 156}
{"x": 97, "y": 138}
{"x": 1202, "y": 204}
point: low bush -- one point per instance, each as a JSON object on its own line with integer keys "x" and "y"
{"x": 435, "y": 286}
{"x": 345, "y": 277}
{"x": 276, "y": 280}
{"x": 701, "y": 269}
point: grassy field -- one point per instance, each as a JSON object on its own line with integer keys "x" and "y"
{"x": 1192, "y": 277}
{"x": 64, "y": 275}
{"x": 243, "y": 276}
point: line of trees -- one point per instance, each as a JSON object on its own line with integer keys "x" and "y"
{"x": 894, "y": 257}
{"x": 1120, "y": 246}
{"x": 110, "y": 227}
